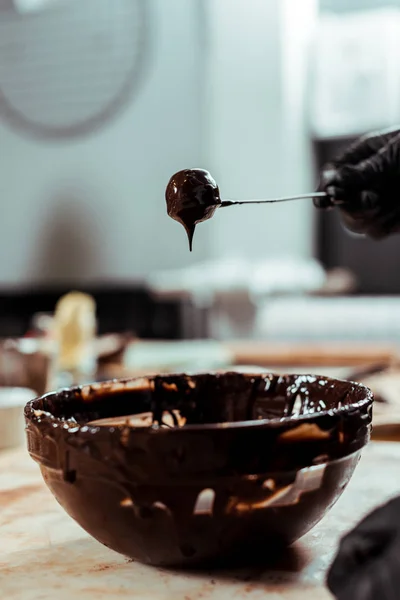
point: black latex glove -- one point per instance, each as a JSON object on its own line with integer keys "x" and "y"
{"x": 367, "y": 566}
{"x": 365, "y": 183}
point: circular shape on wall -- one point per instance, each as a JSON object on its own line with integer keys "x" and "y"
{"x": 67, "y": 69}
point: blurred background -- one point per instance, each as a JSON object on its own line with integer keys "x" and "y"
{"x": 101, "y": 101}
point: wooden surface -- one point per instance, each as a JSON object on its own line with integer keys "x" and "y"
{"x": 329, "y": 354}
{"x": 386, "y": 415}
{"x": 44, "y": 555}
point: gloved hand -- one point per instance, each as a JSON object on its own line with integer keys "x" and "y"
{"x": 367, "y": 565}
{"x": 365, "y": 183}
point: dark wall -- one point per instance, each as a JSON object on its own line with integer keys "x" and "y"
{"x": 120, "y": 309}
{"x": 376, "y": 264}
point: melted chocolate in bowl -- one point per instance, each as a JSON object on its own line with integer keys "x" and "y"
{"x": 192, "y": 197}
{"x": 212, "y": 467}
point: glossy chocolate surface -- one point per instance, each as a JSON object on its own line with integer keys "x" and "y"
{"x": 192, "y": 196}
{"x": 257, "y": 463}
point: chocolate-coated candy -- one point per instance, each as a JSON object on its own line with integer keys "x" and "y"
{"x": 192, "y": 196}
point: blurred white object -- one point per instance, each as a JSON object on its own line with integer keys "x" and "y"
{"x": 207, "y": 279}
{"x": 74, "y": 331}
{"x": 42, "y": 324}
{"x": 355, "y": 72}
{"x": 26, "y": 363}
{"x": 232, "y": 289}
{"x": 286, "y": 276}
{"x": 202, "y": 280}
{"x": 162, "y": 357}
{"x": 12, "y": 423}
{"x": 338, "y": 319}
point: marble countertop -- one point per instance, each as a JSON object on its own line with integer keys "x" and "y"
{"x": 44, "y": 555}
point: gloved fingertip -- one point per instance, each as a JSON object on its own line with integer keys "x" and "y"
{"x": 369, "y": 200}
{"x": 365, "y": 549}
{"x": 328, "y": 177}
{"x": 324, "y": 203}
{"x": 336, "y": 194}
{"x": 352, "y": 178}
{"x": 363, "y": 175}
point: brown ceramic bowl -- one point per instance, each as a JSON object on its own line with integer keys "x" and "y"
{"x": 259, "y": 461}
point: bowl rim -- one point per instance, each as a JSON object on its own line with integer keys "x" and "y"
{"x": 40, "y": 417}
